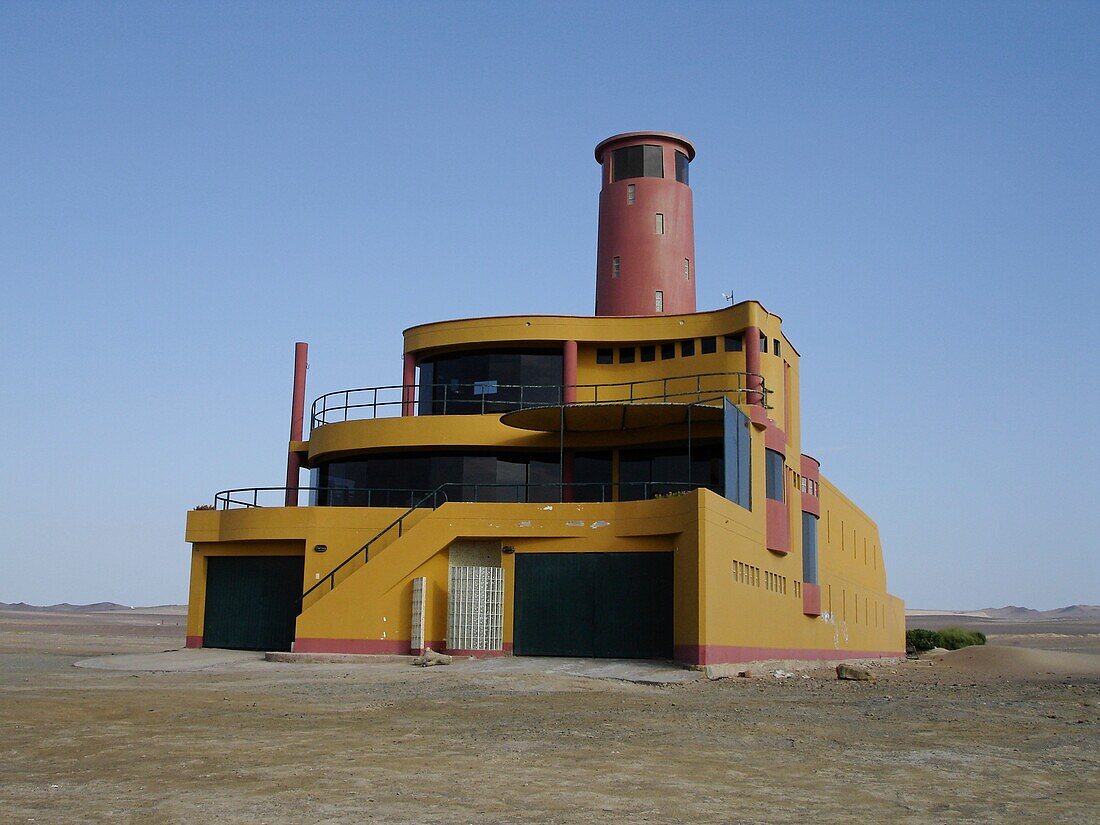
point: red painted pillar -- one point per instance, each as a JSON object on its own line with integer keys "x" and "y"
{"x": 754, "y": 381}
{"x": 408, "y": 385}
{"x": 569, "y": 396}
{"x": 297, "y": 416}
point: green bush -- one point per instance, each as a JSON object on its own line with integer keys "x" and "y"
{"x": 955, "y": 637}
{"x": 920, "y": 639}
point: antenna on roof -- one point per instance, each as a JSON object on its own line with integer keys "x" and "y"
{"x": 728, "y": 296}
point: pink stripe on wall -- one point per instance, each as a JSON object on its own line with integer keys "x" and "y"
{"x": 193, "y": 641}
{"x": 811, "y": 599}
{"x": 727, "y": 654}
{"x": 778, "y": 526}
{"x": 399, "y": 647}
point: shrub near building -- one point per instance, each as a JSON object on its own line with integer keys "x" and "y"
{"x": 951, "y": 638}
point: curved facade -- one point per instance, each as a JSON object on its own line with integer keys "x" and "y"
{"x": 625, "y": 484}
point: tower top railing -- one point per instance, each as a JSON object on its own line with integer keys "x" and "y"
{"x": 489, "y": 397}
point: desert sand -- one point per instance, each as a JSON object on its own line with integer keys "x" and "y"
{"x": 1000, "y": 734}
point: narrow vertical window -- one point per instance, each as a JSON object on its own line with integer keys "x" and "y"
{"x": 763, "y": 342}
{"x": 659, "y": 301}
{"x": 660, "y": 224}
{"x": 615, "y": 267}
{"x": 630, "y": 193}
{"x": 687, "y": 269}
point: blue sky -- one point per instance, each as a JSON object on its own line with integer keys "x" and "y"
{"x": 189, "y": 188}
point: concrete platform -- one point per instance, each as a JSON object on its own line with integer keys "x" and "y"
{"x": 173, "y": 661}
{"x": 640, "y": 671}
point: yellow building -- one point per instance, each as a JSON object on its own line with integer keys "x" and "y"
{"x": 630, "y": 484}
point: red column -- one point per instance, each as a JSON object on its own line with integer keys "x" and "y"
{"x": 754, "y": 381}
{"x": 297, "y": 416}
{"x": 569, "y": 372}
{"x": 408, "y": 385}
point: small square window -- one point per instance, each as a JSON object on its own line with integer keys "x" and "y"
{"x": 616, "y": 267}
{"x": 626, "y": 355}
{"x": 708, "y": 345}
{"x": 733, "y": 343}
{"x": 775, "y": 346}
{"x": 605, "y": 356}
{"x": 668, "y": 351}
{"x": 648, "y": 353}
{"x": 763, "y": 342}
{"x": 630, "y": 193}
{"x": 659, "y": 224}
{"x": 687, "y": 348}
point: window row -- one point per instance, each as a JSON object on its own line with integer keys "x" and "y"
{"x": 617, "y": 265}
{"x": 809, "y": 487}
{"x": 775, "y": 583}
{"x": 645, "y": 161}
{"x": 755, "y": 577}
{"x": 776, "y": 349}
{"x": 687, "y": 348}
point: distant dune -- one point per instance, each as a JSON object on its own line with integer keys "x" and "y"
{"x": 98, "y": 607}
{"x": 1020, "y": 662}
{"x": 1016, "y": 614}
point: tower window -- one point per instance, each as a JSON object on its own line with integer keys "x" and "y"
{"x": 682, "y": 167}
{"x": 708, "y": 345}
{"x": 687, "y": 348}
{"x": 630, "y": 193}
{"x": 733, "y": 343}
{"x": 615, "y": 267}
{"x": 687, "y": 269}
{"x": 775, "y": 346}
{"x": 668, "y": 351}
{"x": 626, "y": 355}
{"x": 763, "y": 342}
{"x": 637, "y": 162}
{"x": 660, "y": 223}
{"x": 605, "y": 356}
{"x": 648, "y": 353}
{"x": 659, "y": 301}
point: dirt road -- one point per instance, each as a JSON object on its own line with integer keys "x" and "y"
{"x": 259, "y": 742}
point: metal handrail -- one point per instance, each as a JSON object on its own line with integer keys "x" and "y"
{"x": 438, "y": 497}
{"x": 327, "y": 409}
{"x": 239, "y": 496}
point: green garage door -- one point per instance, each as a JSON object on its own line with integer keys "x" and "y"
{"x": 594, "y": 604}
{"x": 252, "y": 601}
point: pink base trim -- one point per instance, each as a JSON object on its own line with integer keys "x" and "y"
{"x": 722, "y": 654}
{"x": 400, "y": 647}
{"x": 193, "y": 641}
{"x": 478, "y": 654}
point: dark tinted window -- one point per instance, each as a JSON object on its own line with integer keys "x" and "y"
{"x": 809, "y": 548}
{"x": 649, "y": 472}
{"x": 626, "y": 355}
{"x": 592, "y": 476}
{"x": 707, "y": 345}
{"x": 775, "y": 346}
{"x": 668, "y": 351}
{"x": 687, "y": 348}
{"x": 489, "y": 381}
{"x": 733, "y": 343}
{"x": 402, "y": 480}
{"x": 648, "y": 353}
{"x": 605, "y": 356}
{"x": 773, "y": 466}
{"x": 763, "y": 342}
{"x": 637, "y": 162}
{"x": 737, "y": 435}
{"x": 681, "y": 167}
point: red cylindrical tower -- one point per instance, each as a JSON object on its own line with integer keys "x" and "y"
{"x": 646, "y": 249}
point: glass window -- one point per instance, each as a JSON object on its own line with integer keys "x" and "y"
{"x": 659, "y": 224}
{"x": 648, "y": 353}
{"x": 687, "y": 269}
{"x": 615, "y": 267}
{"x": 809, "y": 548}
{"x": 659, "y": 301}
{"x": 626, "y": 355}
{"x": 708, "y": 345}
{"x": 687, "y": 348}
{"x": 763, "y": 342}
{"x": 775, "y": 346}
{"x": 592, "y": 476}
{"x": 605, "y": 355}
{"x": 773, "y": 465}
{"x": 732, "y": 343}
{"x": 737, "y": 437}
{"x": 668, "y": 351}
{"x": 637, "y": 162}
{"x": 490, "y": 381}
{"x": 682, "y": 167}
{"x": 630, "y": 193}
{"x": 645, "y": 473}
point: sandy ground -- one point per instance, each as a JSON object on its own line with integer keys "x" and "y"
{"x": 1002, "y": 735}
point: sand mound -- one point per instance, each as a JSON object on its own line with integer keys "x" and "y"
{"x": 997, "y": 660}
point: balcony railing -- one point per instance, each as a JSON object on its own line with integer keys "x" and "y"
{"x": 540, "y": 493}
{"x": 483, "y": 397}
